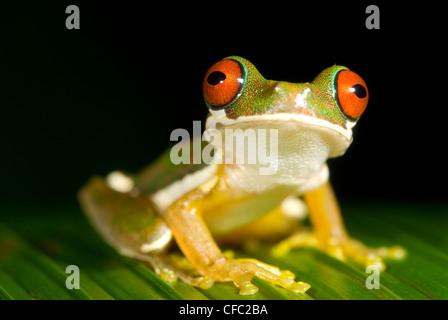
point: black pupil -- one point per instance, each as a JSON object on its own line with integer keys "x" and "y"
{"x": 359, "y": 90}
{"x": 216, "y": 77}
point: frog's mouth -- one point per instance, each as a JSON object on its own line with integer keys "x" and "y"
{"x": 340, "y": 138}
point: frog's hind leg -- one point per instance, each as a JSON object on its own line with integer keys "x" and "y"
{"x": 126, "y": 220}
{"x": 129, "y": 223}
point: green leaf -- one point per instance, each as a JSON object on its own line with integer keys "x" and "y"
{"x": 37, "y": 244}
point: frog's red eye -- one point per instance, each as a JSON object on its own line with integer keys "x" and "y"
{"x": 351, "y": 94}
{"x": 223, "y": 83}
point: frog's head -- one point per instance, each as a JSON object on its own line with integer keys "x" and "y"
{"x": 237, "y": 94}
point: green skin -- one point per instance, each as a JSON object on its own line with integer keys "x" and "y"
{"x": 262, "y": 96}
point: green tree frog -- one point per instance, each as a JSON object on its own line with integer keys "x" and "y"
{"x": 198, "y": 206}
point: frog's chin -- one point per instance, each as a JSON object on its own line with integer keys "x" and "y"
{"x": 338, "y": 137}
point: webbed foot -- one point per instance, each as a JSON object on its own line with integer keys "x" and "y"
{"x": 342, "y": 249}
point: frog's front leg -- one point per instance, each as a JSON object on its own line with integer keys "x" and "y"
{"x": 329, "y": 233}
{"x": 197, "y": 244}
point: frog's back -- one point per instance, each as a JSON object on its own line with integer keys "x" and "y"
{"x": 163, "y": 172}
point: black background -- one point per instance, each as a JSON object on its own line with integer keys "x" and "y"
{"x": 80, "y": 102}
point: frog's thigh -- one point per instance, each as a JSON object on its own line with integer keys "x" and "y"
{"x": 274, "y": 225}
{"x": 128, "y": 222}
